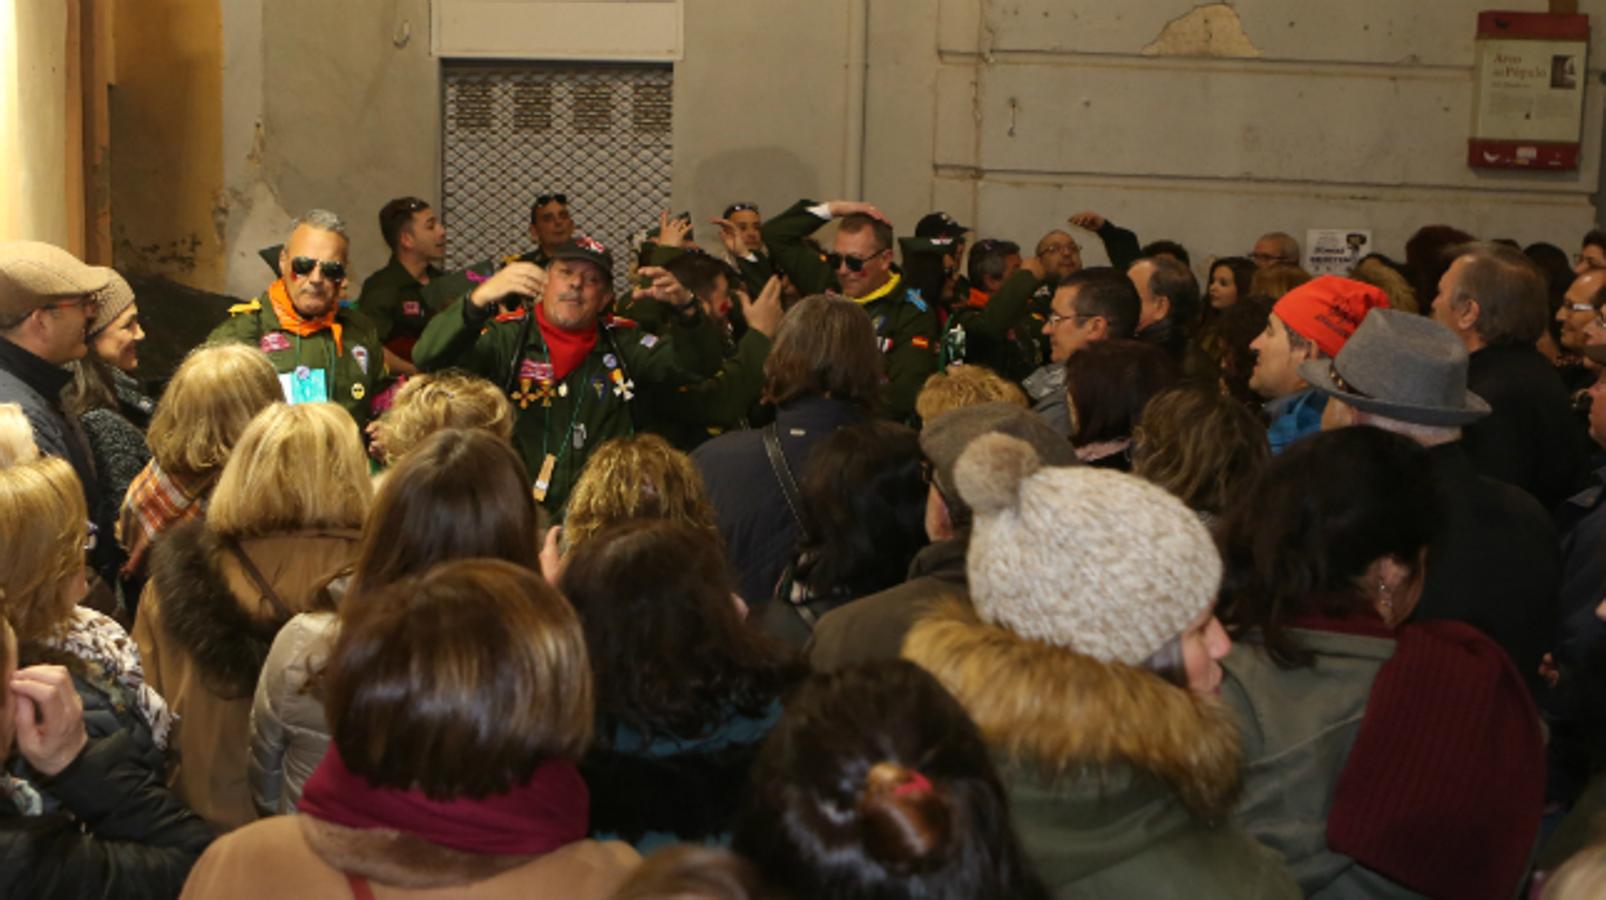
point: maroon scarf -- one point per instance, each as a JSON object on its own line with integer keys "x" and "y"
{"x": 1443, "y": 788}
{"x": 548, "y": 811}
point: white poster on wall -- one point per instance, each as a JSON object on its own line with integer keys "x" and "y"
{"x": 1334, "y": 251}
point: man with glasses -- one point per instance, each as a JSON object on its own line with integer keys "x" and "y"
{"x": 392, "y": 298}
{"x": 1275, "y": 249}
{"x": 1493, "y": 298}
{"x": 860, "y": 268}
{"x": 1091, "y": 305}
{"x": 48, "y": 300}
{"x": 322, "y": 351}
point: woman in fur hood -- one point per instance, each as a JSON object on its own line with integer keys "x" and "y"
{"x": 284, "y": 516}
{"x": 1090, "y": 660}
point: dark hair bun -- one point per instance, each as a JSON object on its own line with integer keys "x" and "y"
{"x": 908, "y": 824}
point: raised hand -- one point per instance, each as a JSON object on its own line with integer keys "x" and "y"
{"x": 1092, "y": 221}
{"x": 672, "y": 231}
{"x": 662, "y": 286}
{"x": 840, "y": 208}
{"x": 764, "y": 314}
{"x": 523, "y": 278}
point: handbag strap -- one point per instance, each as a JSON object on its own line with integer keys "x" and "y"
{"x": 255, "y": 574}
{"x": 360, "y": 889}
{"x": 783, "y": 474}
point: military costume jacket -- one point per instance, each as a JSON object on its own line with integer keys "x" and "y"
{"x": 1002, "y": 333}
{"x": 351, "y": 376}
{"x": 560, "y": 421}
{"x": 393, "y": 301}
{"x": 903, "y": 319}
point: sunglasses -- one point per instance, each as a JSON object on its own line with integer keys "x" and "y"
{"x": 854, "y": 263}
{"x": 740, "y": 207}
{"x": 302, "y": 266}
{"x": 543, "y": 199}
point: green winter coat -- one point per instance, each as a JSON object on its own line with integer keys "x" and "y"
{"x": 393, "y": 300}
{"x": 1004, "y": 335}
{"x": 904, "y": 322}
{"x": 1119, "y": 782}
{"x": 1298, "y": 726}
{"x": 353, "y": 376}
{"x": 568, "y": 418}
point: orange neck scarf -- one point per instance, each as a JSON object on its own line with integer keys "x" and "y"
{"x": 291, "y": 321}
{"x": 978, "y": 298}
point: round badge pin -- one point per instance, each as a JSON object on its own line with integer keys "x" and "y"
{"x": 303, "y": 373}
{"x": 358, "y": 392}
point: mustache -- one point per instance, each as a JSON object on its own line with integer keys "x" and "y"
{"x": 569, "y": 297}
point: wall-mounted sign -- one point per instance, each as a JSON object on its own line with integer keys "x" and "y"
{"x": 1334, "y": 251}
{"x": 1528, "y": 109}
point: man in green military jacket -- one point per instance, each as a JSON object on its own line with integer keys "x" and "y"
{"x": 321, "y": 350}
{"x": 860, "y": 268}
{"x": 392, "y": 298}
{"x": 689, "y": 414}
{"x": 571, "y": 374}
{"x": 995, "y": 326}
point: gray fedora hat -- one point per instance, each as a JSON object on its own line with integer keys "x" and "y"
{"x": 1402, "y": 366}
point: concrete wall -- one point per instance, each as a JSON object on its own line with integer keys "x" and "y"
{"x": 33, "y": 121}
{"x": 1207, "y": 123}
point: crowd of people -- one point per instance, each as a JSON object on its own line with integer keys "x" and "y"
{"x": 868, "y": 567}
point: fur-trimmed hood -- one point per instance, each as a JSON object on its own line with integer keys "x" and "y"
{"x": 1058, "y": 711}
{"x": 215, "y": 613}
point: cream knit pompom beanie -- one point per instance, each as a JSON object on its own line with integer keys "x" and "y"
{"x": 1092, "y": 560}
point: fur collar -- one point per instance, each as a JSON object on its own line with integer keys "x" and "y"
{"x": 1060, "y": 711}
{"x": 400, "y": 860}
{"x": 203, "y": 615}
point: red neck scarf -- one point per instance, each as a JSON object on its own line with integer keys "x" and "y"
{"x": 548, "y": 811}
{"x": 565, "y": 349}
{"x": 978, "y": 298}
{"x": 291, "y": 321}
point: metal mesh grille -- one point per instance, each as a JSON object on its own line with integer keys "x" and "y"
{"x": 598, "y": 133}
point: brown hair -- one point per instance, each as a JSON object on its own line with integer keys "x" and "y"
{"x": 1512, "y": 303}
{"x": 962, "y": 386}
{"x": 637, "y": 477}
{"x": 672, "y": 655}
{"x": 856, "y": 222}
{"x": 436, "y": 400}
{"x": 1199, "y": 444}
{"x": 1381, "y": 275}
{"x": 1275, "y": 281}
{"x": 687, "y": 872}
{"x": 826, "y": 345}
{"x": 460, "y": 494}
{"x": 1109, "y": 382}
{"x": 46, "y": 523}
{"x": 215, "y": 393}
{"x": 296, "y": 467}
{"x": 460, "y": 682}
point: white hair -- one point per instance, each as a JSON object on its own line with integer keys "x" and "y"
{"x": 321, "y": 219}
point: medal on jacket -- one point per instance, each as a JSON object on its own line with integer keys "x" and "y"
{"x": 622, "y": 386}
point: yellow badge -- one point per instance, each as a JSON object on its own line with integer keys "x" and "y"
{"x": 358, "y": 391}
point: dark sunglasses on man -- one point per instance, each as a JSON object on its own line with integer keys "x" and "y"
{"x": 302, "y": 266}
{"x": 543, "y": 199}
{"x": 854, "y": 263}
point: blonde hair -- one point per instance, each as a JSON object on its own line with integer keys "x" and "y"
{"x": 962, "y": 386}
{"x": 639, "y": 477}
{"x": 212, "y": 397}
{"x": 451, "y": 399}
{"x": 17, "y": 445}
{"x": 1275, "y": 281}
{"x": 1376, "y": 273}
{"x": 45, "y": 523}
{"x": 296, "y": 467}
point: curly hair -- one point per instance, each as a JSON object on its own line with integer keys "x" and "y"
{"x": 450, "y": 399}
{"x": 1199, "y": 444}
{"x": 638, "y": 477}
{"x": 670, "y": 651}
{"x": 964, "y": 386}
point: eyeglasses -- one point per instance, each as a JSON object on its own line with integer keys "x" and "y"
{"x": 89, "y": 303}
{"x": 854, "y": 263}
{"x": 543, "y": 199}
{"x": 1055, "y": 318}
{"x": 91, "y": 537}
{"x": 928, "y": 471}
{"x": 333, "y": 270}
{"x": 1581, "y": 307}
{"x": 1060, "y": 249}
{"x": 740, "y": 207}
{"x": 1268, "y": 258}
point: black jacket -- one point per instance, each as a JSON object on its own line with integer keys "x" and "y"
{"x": 128, "y": 836}
{"x": 1494, "y": 562}
{"x": 754, "y": 519}
{"x": 1531, "y": 438}
{"x": 35, "y": 385}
